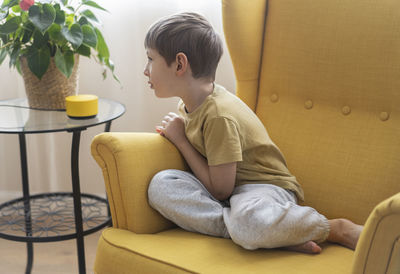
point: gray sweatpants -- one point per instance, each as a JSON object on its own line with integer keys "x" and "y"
{"x": 255, "y": 216}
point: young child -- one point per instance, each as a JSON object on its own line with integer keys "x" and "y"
{"x": 240, "y": 187}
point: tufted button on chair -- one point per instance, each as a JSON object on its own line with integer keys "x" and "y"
{"x": 324, "y": 78}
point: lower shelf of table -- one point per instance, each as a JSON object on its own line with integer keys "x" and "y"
{"x": 51, "y": 217}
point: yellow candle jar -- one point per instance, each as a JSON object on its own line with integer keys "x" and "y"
{"x": 83, "y": 106}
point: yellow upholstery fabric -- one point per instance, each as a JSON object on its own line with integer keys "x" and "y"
{"x": 344, "y": 57}
{"x": 324, "y": 78}
{"x": 177, "y": 251}
{"x": 244, "y": 34}
{"x": 127, "y": 176}
{"x": 379, "y": 248}
{"x": 394, "y": 263}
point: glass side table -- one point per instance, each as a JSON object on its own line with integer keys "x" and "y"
{"x": 56, "y": 216}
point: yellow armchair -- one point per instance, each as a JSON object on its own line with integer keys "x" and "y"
{"x": 324, "y": 78}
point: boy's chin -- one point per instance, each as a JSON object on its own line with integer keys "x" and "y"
{"x": 160, "y": 95}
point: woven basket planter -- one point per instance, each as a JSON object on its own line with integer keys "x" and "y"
{"x": 49, "y": 92}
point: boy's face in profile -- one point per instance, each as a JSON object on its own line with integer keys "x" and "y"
{"x": 161, "y": 76}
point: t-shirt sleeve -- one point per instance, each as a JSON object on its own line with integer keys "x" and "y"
{"x": 222, "y": 141}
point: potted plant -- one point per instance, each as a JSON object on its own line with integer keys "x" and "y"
{"x": 44, "y": 39}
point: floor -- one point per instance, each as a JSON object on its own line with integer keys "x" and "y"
{"x": 56, "y": 257}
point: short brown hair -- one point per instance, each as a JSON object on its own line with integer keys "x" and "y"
{"x": 191, "y": 34}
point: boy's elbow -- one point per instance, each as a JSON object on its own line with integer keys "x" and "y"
{"x": 222, "y": 196}
{"x": 223, "y": 193}
{"x": 222, "y": 180}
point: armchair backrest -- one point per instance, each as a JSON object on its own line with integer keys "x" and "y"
{"x": 324, "y": 78}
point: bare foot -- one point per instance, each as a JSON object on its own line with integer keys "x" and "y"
{"x": 344, "y": 232}
{"x": 309, "y": 247}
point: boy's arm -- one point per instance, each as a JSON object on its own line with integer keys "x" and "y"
{"x": 219, "y": 180}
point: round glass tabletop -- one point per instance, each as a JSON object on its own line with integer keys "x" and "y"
{"x": 17, "y": 117}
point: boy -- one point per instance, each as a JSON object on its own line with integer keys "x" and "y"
{"x": 240, "y": 187}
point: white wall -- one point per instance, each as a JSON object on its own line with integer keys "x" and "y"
{"x": 124, "y": 29}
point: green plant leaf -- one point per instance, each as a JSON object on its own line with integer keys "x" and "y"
{"x": 3, "y": 55}
{"x": 74, "y": 35}
{"x": 104, "y": 74}
{"x": 42, "y": 16}
{"x": 71, "y": 8}
{"x": 14, "y": 55}
{"x": 4, "y": 38}
{"x": 69, "y": 19}
{"x": 102, "y": 48}
{"x": 65, "y": 62}
{"x": 57, "y": 6}
{"x": 9, "y": 3}
{"x": 25, "y": 17}
{"x": 28, "y": 31}
{"x": 93, "y": 4}
{"x": 55, "y": 34}
{"x": 89, "y": 36}
{"x": 19, "y": 33}
{"x": 40, "y": 40}
{"x": 83, "y": 21}
{"x": 84, "y": 50}
{"x": 60, "y": 17}
{"x": 38, "y": 60}
{"x": 10, "y": 26}
{"x": 18, "y": 66}
{"x": 90, "y": 15}
{"x": 3, "y": 13}
{"x": 16, "y": 9}
{"x": 110, "y": 65}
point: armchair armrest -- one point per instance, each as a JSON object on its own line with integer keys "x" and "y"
{"x": 128, "y": 162}
{"x": 378, "y": 249}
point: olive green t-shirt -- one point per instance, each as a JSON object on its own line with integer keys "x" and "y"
{"x": 225, "y": 130}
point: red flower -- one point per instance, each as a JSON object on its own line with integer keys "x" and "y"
{"x": 26, "y": 4}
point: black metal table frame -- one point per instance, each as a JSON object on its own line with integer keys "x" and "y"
{"x": 76, "y": 193}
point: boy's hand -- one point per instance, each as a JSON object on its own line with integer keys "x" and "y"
{"x": 173, "y": 128}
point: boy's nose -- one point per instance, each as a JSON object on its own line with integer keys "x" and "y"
{"x": 146, "y": 72}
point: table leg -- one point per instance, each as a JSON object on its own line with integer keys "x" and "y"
{"x": 107, "y": 127}
{"x": 77, "y": 200}
{"x": 27, "y": 205}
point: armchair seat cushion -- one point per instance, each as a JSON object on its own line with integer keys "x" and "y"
{"x": 179, "y": 251}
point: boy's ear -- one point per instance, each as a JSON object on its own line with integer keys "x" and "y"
{"x": 182, "y": 63}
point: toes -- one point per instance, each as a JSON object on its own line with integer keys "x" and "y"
{"x": 309, "y": 247}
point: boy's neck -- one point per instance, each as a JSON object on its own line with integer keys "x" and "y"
{"x": 196, "y": 93}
